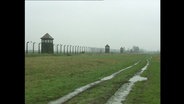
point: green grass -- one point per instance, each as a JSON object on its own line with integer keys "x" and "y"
{"x": 147, "y": 92}
{"x": 49, "y": 77}
{"x": 103, "y": 91}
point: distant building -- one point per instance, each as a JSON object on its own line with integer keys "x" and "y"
{"x": 121, "y": 50}
{"x": 47, "y": 44}
{"x": 107, "y": 48}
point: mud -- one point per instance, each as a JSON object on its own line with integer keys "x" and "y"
{"x": 83, "y": 88}
{"x": 121, "y": 94}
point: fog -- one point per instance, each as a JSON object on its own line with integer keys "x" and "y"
{"x": 118, "y": 23}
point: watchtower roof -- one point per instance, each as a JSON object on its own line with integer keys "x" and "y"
{"x": 47, "y": 36}
{"x": 107, "y": 45}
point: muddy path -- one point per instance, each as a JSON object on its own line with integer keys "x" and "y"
{"x": 83, "y": 88}
{"x": 123, "y": 91}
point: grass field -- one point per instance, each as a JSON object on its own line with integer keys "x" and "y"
{"x": 49, "y": 77}
{"x": 147, "y": 92}
{"x": 102, "y": 92}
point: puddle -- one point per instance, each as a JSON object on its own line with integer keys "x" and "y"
{"x": 107, "y": 78}
{"x": 123, "y": 91}
{"x": 83, "y": 88}
{"x": 137, "y": 78}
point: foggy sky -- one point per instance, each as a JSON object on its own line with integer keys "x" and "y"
{"x": 119, "y": 23}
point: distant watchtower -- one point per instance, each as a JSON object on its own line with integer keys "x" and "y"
{"x": 107, "y": 48}
{"x": 121, "y": 50}
{"x": 47, "y": 44}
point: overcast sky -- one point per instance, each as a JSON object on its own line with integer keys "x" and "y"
{"x": 119, "y": 23}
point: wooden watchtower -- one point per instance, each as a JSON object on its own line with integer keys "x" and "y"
{"x": 47, "y": 44}
{"x": 107, "y": 48}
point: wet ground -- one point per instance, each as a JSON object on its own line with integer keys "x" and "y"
{"x": 83, "y": 88}
{"x": 123, "y": 91}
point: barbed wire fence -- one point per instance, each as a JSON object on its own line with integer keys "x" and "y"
{"x": 66, "y": 49}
